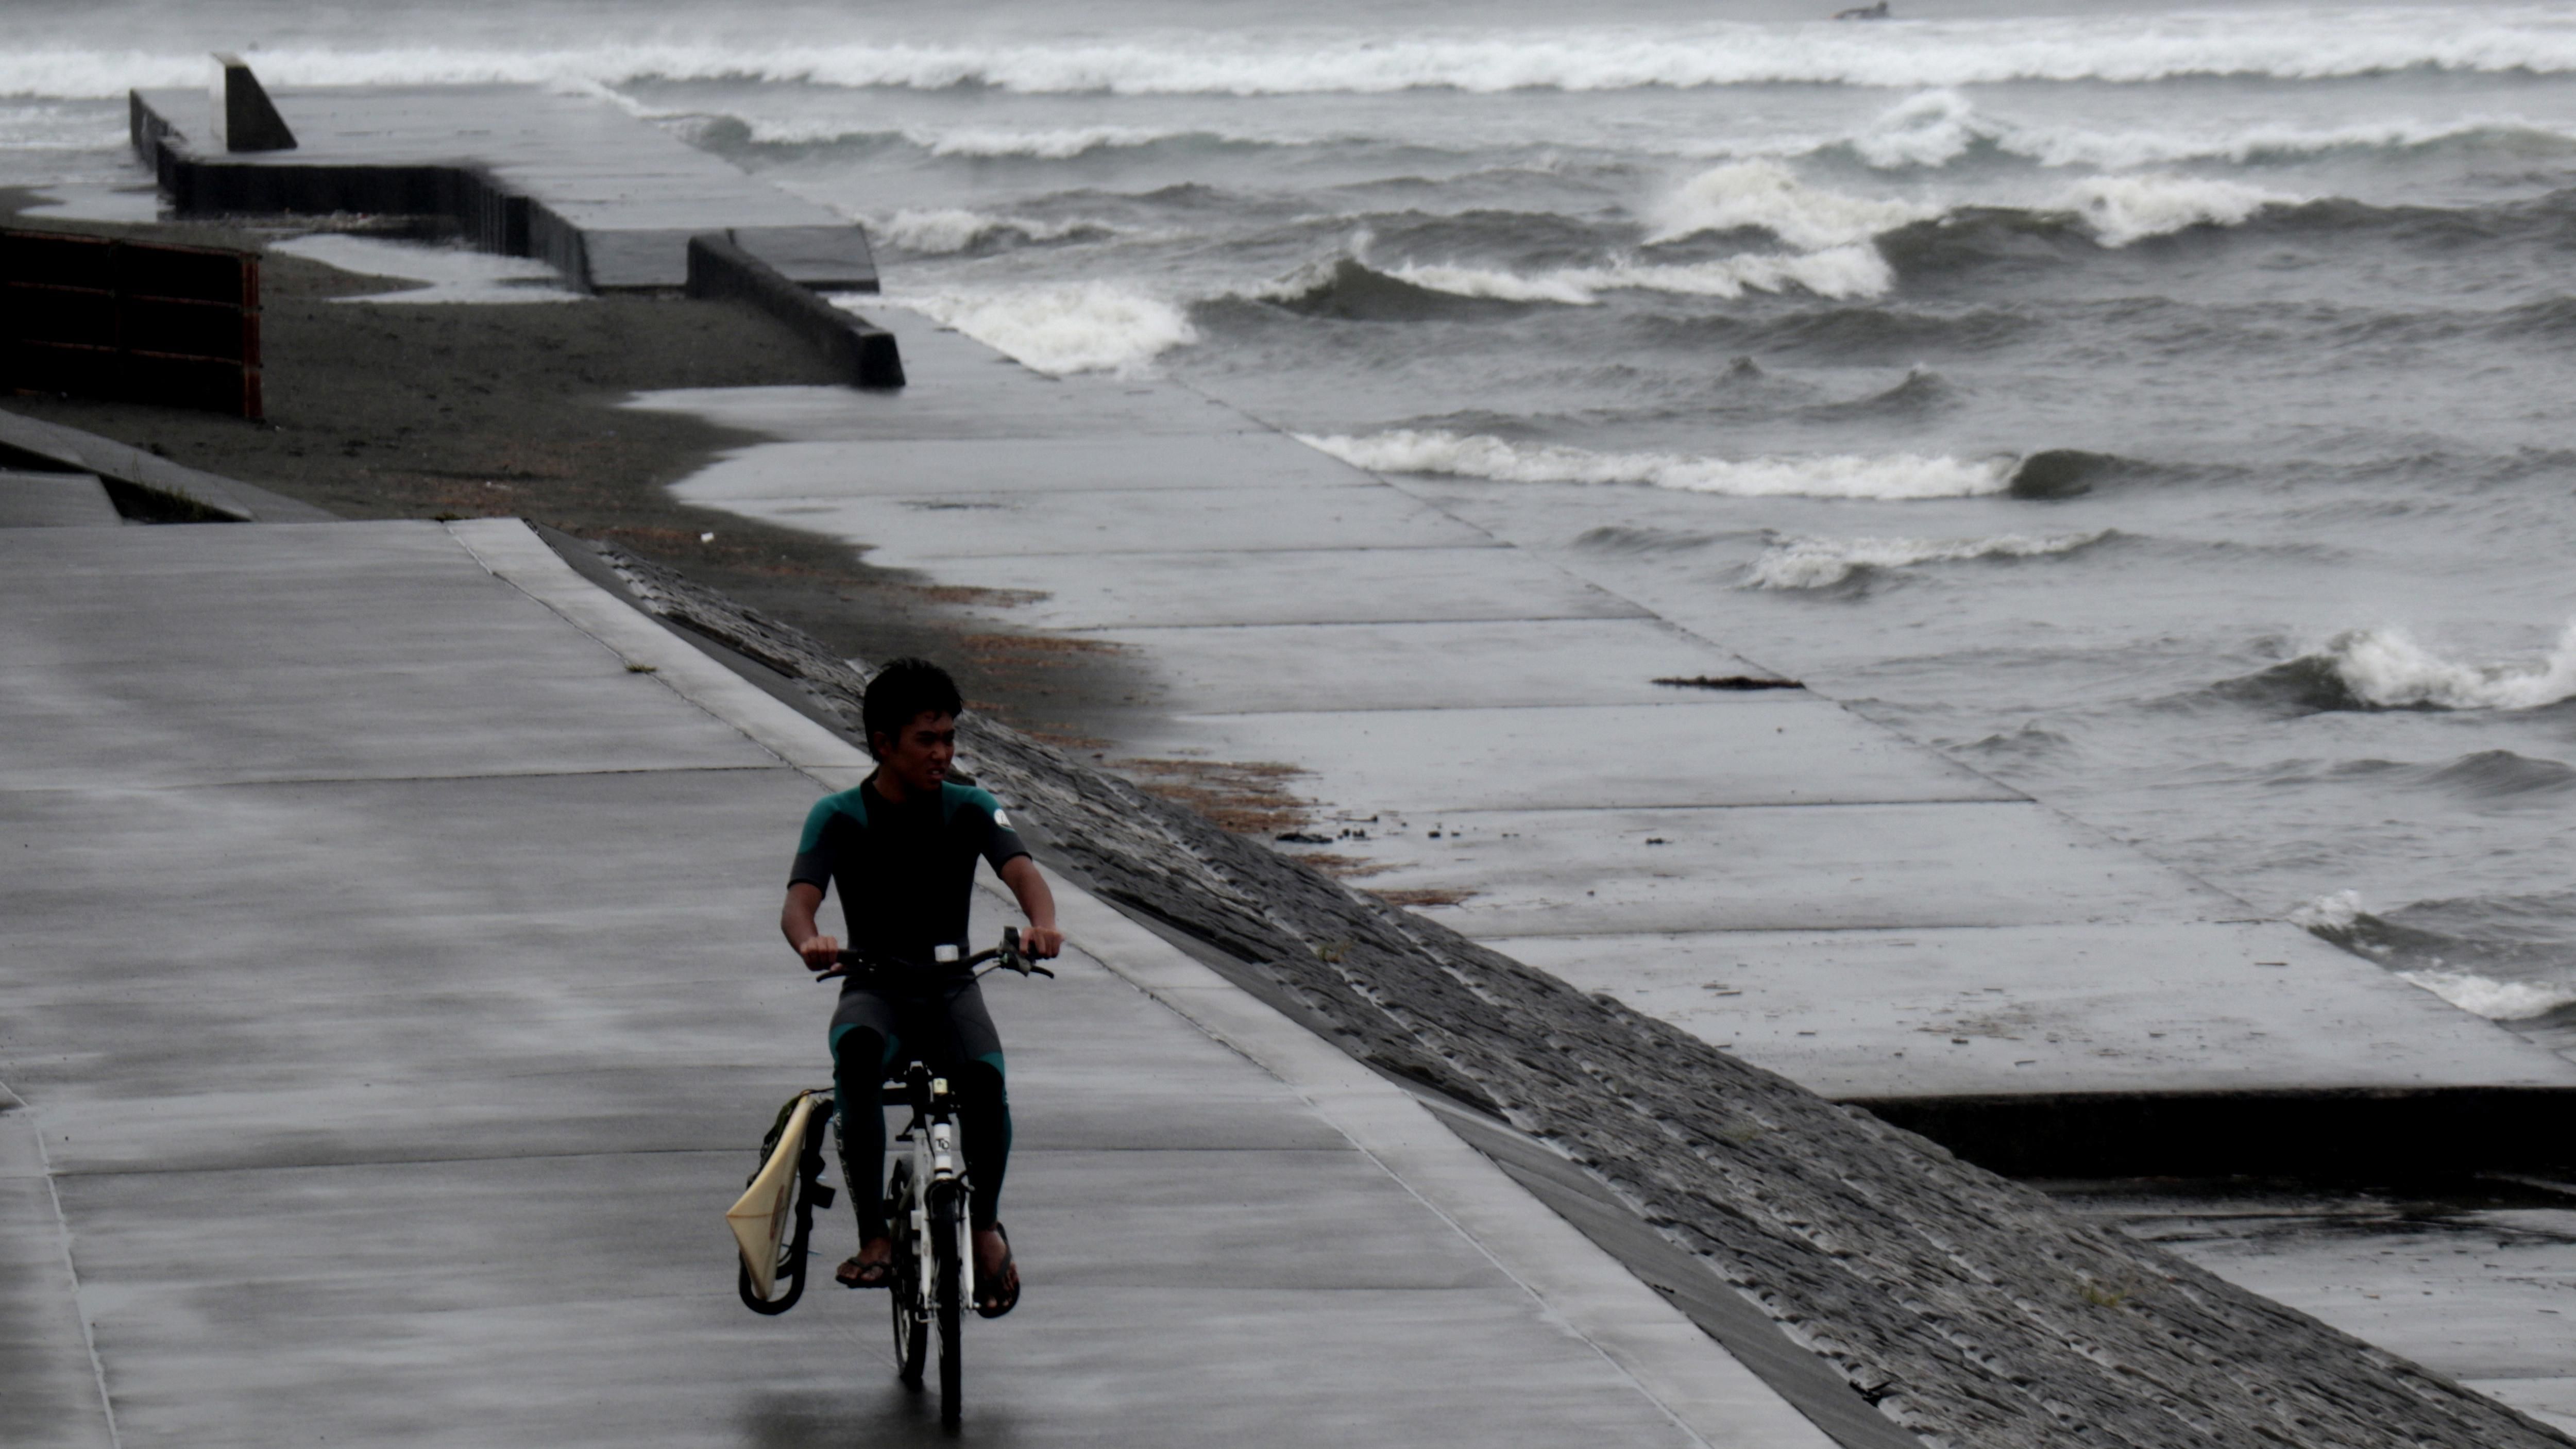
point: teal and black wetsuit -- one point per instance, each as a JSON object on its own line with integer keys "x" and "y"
{"x": 906, "y": 877}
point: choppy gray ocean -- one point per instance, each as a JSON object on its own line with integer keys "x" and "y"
{"x": 2166, "y": 411}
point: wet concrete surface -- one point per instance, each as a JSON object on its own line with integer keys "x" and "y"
{"x": 393, "y": 989}
{"x": 54, "y": 500}
{"x": 1477, "y": 730}
{"x": 2481, "y": 1287}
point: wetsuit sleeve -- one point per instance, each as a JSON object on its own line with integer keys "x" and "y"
{"x": 813, "y": 856}
{"x": 1001, "y": 844}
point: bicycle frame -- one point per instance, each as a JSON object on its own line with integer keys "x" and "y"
{"x": 926, "y": 1203}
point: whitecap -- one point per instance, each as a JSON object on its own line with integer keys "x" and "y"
{"x": 946, "y": 230}
{"x": 2124, "y": 209}
{"x": 1094, "y": 326}
{"x": 1894, "y": 476}
{"x": 1838, "y": 272}
{"x": 1817, "y": 563}
{"x": 1767, "y": 195}
{"x": 2388, "y": 668}
{"x": 1931, "y": 129}
{"x": 2495, "y": 1000}
{"x": 2300, "y": 43}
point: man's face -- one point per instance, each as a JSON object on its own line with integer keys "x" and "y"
{"x": 920, "y": 753}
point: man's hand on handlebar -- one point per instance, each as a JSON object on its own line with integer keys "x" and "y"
{"x": 1041, "y": 943}
{"x": 821, "y": 953}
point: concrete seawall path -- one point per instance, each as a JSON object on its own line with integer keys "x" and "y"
{"x": 386, "y": 1029}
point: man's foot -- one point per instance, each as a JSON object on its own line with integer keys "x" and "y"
{"x": 997, "y": 1277}
{"x": 872, "y": 1268}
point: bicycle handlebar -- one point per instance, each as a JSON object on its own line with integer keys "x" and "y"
{"x": 1004, "y": 957}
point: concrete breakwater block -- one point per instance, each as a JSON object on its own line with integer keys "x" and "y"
{"x": 609, "y": 199}
{"x": 721, "y": 266}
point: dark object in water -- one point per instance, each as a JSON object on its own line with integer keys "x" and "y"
{"x": 1864, "y": 12}
{"x": 1728, "y": 681}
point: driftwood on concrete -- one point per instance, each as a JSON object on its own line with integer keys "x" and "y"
{"x": 1967, "y": 1308}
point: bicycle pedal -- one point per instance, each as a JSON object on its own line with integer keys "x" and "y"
{"x": 823, "y": 1196}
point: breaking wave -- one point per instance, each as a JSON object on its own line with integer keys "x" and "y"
{"x": 2114, "y": 210}
{"x": 1767, "y": 196}
{"x": 947, "y": 231}
{"x": 1935, "y": 128}
{"x": 1348, "y": 286}
{"x": 2364, "y": 669}
{"x": 1060, "y": 329}
{"x": 2290, "y": 44}
{"x": 1820, "y": 563}
{"x": 2123, "y": 209}
{"x": 2506, "y": 959}
{"x": 1894, "y": 476}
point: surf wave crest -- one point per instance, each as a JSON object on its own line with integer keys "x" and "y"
{"x": 2124, "y": 209}
{"x": 1821, "y": 563}
{"x": 2291, "y": 44}
{"x": 1060, "y": 329}
{"x": 1895, "y": 476}
{"x": 946, "y": 231}
{"x": 1767, "y": 196}
{"x": 2363, "y": 669}
{"x": 2503, "y": 979}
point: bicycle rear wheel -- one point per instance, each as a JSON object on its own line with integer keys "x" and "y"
{"x": 947, "y": 1305}
{"x": 911, "y": 1325}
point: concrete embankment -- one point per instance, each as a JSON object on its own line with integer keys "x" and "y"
{"x": 1475, "y": 725}
{"x": 1958, "y": 1304}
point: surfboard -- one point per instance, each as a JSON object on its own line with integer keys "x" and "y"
{"x": 759, "y": 1217}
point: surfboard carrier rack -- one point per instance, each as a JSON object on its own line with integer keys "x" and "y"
{"x": 773, "y": 1222}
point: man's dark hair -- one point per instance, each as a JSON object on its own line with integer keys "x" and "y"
{"x": 903, "y": 691}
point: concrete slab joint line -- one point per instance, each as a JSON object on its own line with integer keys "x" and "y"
{"x": 1692, "y": 1379}
{"x": 23, "y": 1375}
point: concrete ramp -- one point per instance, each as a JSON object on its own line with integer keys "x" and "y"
{"x": 55, "y": 500}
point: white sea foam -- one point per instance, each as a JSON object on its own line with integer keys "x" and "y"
{"x": 1931, "y": 129}
{"x": 1896, "y": 476}
{"x": 2124, "y": 209}
{"x": 1767, "y": 195}
{"x": 942, "y": 231}
{"x": 2328, "y": 914}
{"x": 1816, "y": 563}
{"x": 2387, "y": 667}
{"x": 1849, "y": 271}
{"x": 1047, "y": 145}
{"x": 1057, "y": 329}
{"x": 2287, "y": 43}
{"x": 2495, "y": 1000}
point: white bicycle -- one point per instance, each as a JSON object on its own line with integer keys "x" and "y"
{"x": 933, "y": 1272}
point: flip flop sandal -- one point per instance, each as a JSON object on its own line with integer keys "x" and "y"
{"x": 1009, "y": 1298}
{"x": 856, "y": 1274}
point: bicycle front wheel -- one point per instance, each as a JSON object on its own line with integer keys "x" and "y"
{"x": 911, "y": 1324}
{"x": 947, "y": 1305}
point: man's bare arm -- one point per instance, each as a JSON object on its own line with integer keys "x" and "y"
{"x": 1041, "y": 939}
{"x": 796, "y": 922}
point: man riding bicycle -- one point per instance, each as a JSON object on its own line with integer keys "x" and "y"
{"x": 901, "y": 849}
